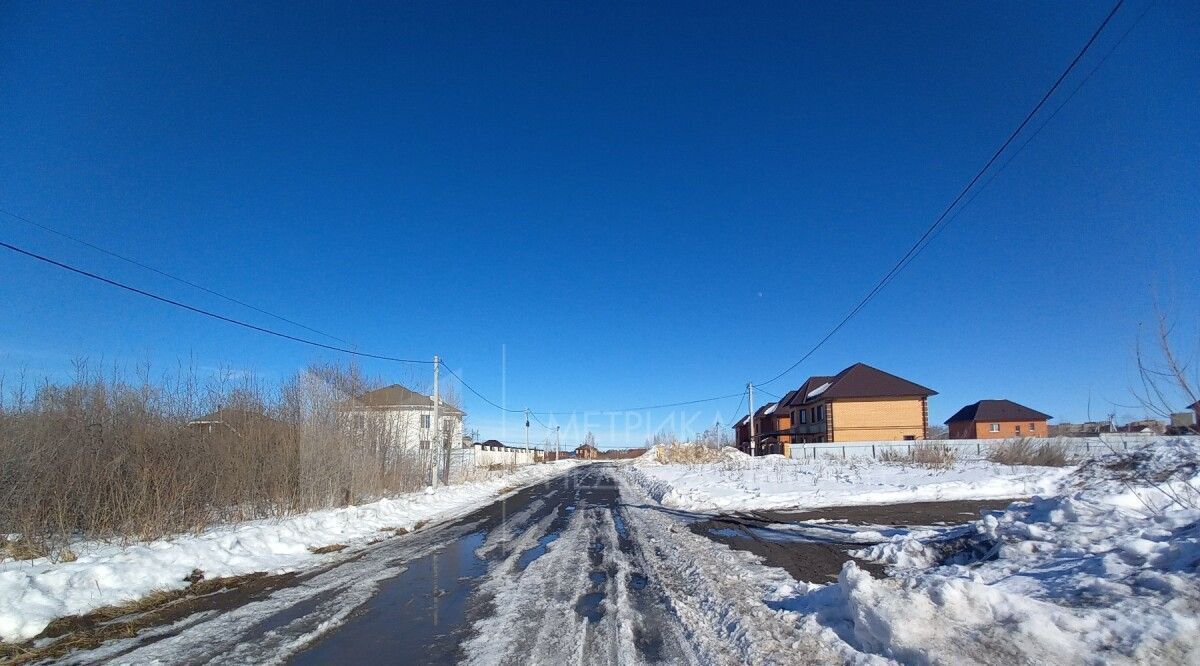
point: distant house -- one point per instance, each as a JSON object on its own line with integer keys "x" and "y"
{"x": 1147, "y": 427}
{"x": 404, "y": 417}
{"x": 771, "y": 428}
{"x": 860, "y": 403}
{"x": 997, "y": 419}
{"x": 741, "y": 434}
{"x": 587, "y": 452}
{"x": 237, "y": 421}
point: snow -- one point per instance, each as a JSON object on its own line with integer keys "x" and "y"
{"x": 772, "y": 408}
{"x": 818, "y": 391}
{"x": 1099, "y": 566}
{"x": 742, "y": 483}
{"x": 35, "y": 592}
{"x": 1103, "y": 573}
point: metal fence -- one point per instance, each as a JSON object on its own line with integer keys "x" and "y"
{"x": 1077, "y": 447}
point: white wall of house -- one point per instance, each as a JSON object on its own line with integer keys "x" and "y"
{"x": 408, "y": 427}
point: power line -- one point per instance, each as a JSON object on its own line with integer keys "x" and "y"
{"x": 206, "y": 313}
{"x": 999, "y": 170}
{"x": 905, "y": 260}
{"x": 478, "y": 394}
{"x": 945, "y": 217}
{"x": 168, "y": 275}
{"x": 493, "y": 403}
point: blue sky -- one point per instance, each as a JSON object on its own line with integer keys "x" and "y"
{"x": 637, "y": 204}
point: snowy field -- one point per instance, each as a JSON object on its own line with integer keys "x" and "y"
{"x": 741, "y": 483}
{"x": 1101, "y": 568}
{"x": 35, "y": 592}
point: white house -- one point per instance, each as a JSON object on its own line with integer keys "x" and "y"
{"x": 405, "y": 416}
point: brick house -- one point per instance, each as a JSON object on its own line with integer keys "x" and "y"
{"x": 997, "y": 419}
{"x": 771, "y": 429}
{"x": 860, "y": 403}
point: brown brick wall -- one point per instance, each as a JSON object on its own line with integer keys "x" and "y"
{"x": 1008, "y": 429}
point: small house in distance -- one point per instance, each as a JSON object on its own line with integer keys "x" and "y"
{"x": 586, "y": 452}
{"x": 234, "y": 420}
{"x": 997, "y": 419}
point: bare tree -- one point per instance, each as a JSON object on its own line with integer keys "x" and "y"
{"x": 1167, "y": 384}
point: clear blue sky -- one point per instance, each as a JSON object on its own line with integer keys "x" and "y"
{"x": 640, "y": 204}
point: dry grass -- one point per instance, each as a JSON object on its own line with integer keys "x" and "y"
{"x": 84, "y": 632}
{"x": 331, "y": 548}
{"x": 924, "y": 454}
{"x": 107, "y": 456}
{"x": 21, "y": 549}
{"x": 1026, "y": 452}
{"x": 686, "y": 454}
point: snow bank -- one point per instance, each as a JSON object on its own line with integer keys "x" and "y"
{"x": 1106, "y": 572}
{"x": 35, "y": 592}
{"x": 773, "y": 482}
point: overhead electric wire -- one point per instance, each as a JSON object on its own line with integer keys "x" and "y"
{"x": 1053, "y": 114}
{"x": 165, "y": 274}
{"x": 477, "y": 393}
{"x": 206, "y": 313}
{"x": 922, "y": 242}
{"x": 904, "y": 260}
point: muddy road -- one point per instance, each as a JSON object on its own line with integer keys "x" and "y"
{"x": 584, "y": 568}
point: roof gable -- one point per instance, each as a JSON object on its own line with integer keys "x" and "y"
{"x": 997, "y": 410}
{"x": 399, "y": 396}
{"x": 863, "y": 381}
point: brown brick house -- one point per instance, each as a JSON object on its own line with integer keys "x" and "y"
{"x": 997, "y": 419}
{"x": 772, "y": 428}
{"x": 741, "y": 434}
{"x": 860, "y": 403}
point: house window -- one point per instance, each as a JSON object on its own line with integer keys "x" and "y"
{"x": 821, "y": 413}
{"x": 995, "y": 427}
{"x": 1032, "y": 427}
{"x": 424, "y": 445}
{"x": 804, "y": 416}
{"x": 425, "y": 420}
{"x": 1018, "y": 429}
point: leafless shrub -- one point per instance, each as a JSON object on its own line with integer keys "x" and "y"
{"x": 105, "y": 455}
{"x": 1024, "y": 451}
{"x": 669, "y": 450}
{"x": 1168, "y": 385}
{"x": 924, "y": 454}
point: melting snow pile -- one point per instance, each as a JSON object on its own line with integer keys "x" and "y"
{"x": 1106, "y": 572}
{"x": 34, "y": 592}
{"x": 739, "y": 482}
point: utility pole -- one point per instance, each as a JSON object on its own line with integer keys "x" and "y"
{"x": 527, "y": 429}
{"x": 433, "y": 437}
{"x": 753, "y": 444}
{"x": 557, "y": 444}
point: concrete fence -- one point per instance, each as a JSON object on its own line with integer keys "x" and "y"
{"x": 1078, "y": 447}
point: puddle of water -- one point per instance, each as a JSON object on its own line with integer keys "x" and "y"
{"x": 619, "y": 521}
{"x": 419, "y": 612}
{"x": 537, "y": 551}
{"x": 589, "y": 606}
{"x": 726, "y": 532}
{"x": 638, "y": 582}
